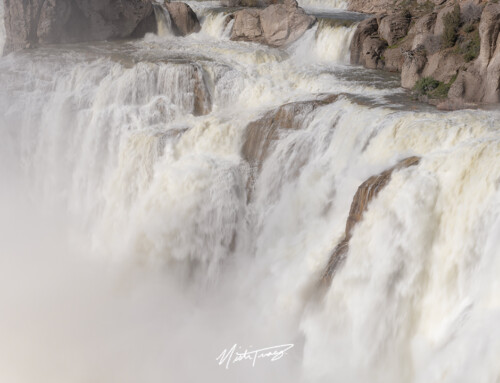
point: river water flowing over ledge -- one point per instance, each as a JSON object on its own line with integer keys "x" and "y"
{"x": 166, "y": 198}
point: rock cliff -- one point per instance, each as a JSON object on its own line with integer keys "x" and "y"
{"x": 30, "y": 22}
{"x": 447, "y": 51}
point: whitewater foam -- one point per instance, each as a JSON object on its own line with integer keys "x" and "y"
{"x": 129, "y": 194}
{"x": 327, "y": 5}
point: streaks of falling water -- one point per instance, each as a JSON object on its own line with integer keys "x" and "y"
{"x": 118, "y": 144}
{"x": 163, "y": 20}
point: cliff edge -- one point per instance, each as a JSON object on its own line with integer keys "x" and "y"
{"x": 447, "y": 51}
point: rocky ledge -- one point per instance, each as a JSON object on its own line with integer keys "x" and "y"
{"x": 276, "y": 25}
{"x": 447, "y": 51}
{"x": 33, "y": 22}
{"x": 366, "y": 192}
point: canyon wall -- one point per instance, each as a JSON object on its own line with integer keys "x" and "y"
{"x": 29, "y": 22}
{"x": 448, "y": 51}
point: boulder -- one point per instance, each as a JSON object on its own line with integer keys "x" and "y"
{"x": 439, "y": 26}
{"x": 413, "y": 65}
{"x": 276, "y": 25}
{"x": 443, "y": 65}
{"x": 372, "y": 51}
{"x": 366, "y": 46}
{"x": 393, "y": 59}
{"x": 184, "y": 20}
{"x": 29, "y": 22}
{"x": 365, "y": 29}
{"x": 393, "y": 28}
{"x": 423, "y": 34}
{"x": 247, "y": 25}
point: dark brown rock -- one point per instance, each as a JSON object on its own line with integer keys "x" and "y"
{"x": 184, "y": 20}
{"x": 261, "y": 134}
{"x": 202, "y": 99}
{"x": 366, "y": 46}
{"x": 29, "y": 22}
{"x": 372, "y": 52}
{"x": 364, "y": 195}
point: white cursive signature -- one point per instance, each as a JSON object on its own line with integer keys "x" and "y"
{"x": 232, "y": 356}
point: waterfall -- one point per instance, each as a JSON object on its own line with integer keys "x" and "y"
{"x": 214, "y": 24}
{"x": 324, "y": 4}
{"x": 163, "y": 20}
{"x": 328, "y": 42}
{"x": 164, "y": 199}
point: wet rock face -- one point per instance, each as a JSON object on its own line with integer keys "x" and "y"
{"x": 364, "y": 195}
{"x": 29, "y": 22}
{"x": 276, "y": 25}
{"x": 184, "y": 20}
{"x": 261, "y": 134}
{"x": 365, "y": 45}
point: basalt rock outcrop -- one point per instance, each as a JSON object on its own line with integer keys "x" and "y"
{"x": 364, "y": 195}
{"x": 261, "y": 134}
{"x": 446, "y": 50}
{"x": 480, "y": 81}
{"x": 32, "y": 22}
{"x": 276, "y": 25}
{"x": 184, "y": 20}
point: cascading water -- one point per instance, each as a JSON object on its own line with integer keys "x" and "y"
{"x": 323, "y": 4}
{"x": 163, "y": 20}
{"x": 328, "y": 42}
{"x": 165, "y": 199}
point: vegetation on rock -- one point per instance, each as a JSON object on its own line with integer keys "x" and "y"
{"x": 430, "y": 87}
{"x": 452, "y": 21}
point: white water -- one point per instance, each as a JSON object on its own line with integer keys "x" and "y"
{"x": 325, "y": 43}
{"x": 164, "y": 21}
{"x": 323, "y": 4}
{"x": 131, "y": 254}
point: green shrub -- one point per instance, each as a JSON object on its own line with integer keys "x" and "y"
{"x": 468, "y": 28}
{"x": 470, "y": 48}
{"x": 426, "y": 85}
{"x": 442, "y": 90}
{"x": 432, "y": 88}
{"x": 451, "y": 26}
